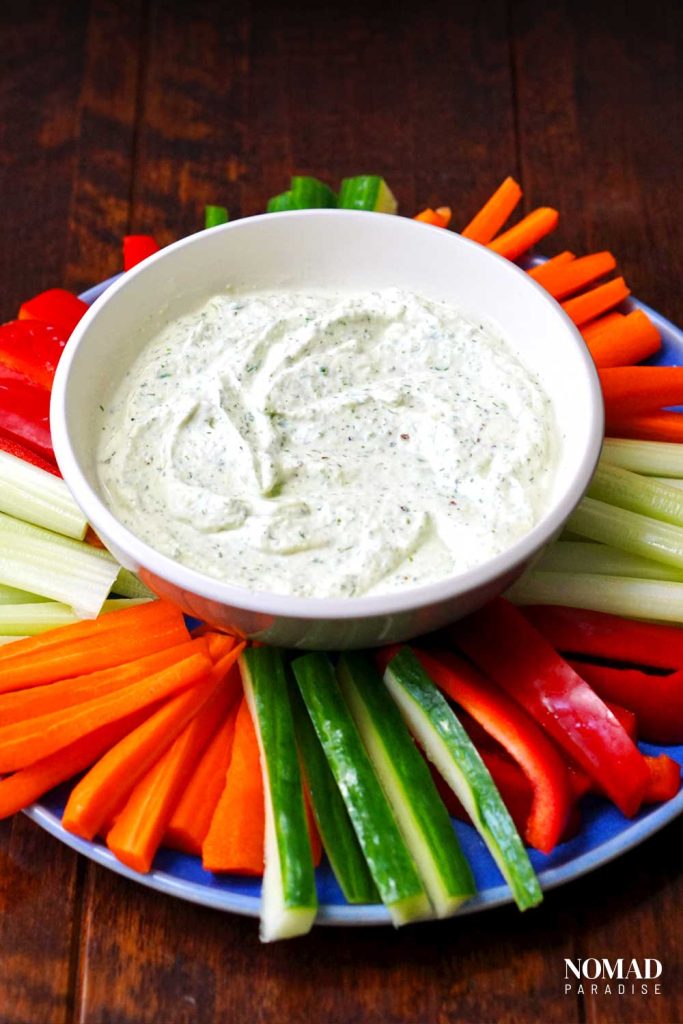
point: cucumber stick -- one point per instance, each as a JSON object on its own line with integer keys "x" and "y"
{"x": 289, "y": 902}
{"x": 388, "y": 858}
{"x": 407, "y": 781}
{"x": 336, "y": 831}
{"x": 446, "y": 743}
{"x": 367, "y": 192}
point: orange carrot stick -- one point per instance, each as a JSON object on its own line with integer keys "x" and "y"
{"x": 523, "y": 236}
{"x": 542, "y": 271}
{"x": 596, "y": 301}
{"x": 42, "y": 700}
{"x": 141, "y": 824}
{"x": 486, "y": 224}
{"x": 236, "y": 835}
{"x": 629, "y": 390}
{"x": 192, "y": 816}
{"x": 35, "y": 665}
{"x": 104, "y": 790}
{"x": 19, "y": 790}
{"x": 626, "y": 341}
{"x": 659, "y": 426}
{"x": 22, "y": 743}
{"x": 439, "y": 218}
{"x": 140, "y": 616}
{"x": 219, "y": 644}
{"x": 594, "y": 327}
{"x": 565, "y": 280}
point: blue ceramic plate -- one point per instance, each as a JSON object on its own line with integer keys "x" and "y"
{"x": 604, "y": 834}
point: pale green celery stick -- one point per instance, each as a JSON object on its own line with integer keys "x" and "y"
{"x": 629, "y": 531}
{"x": 660, "y": 601}
{"x": 28, "y": 619}
{"x": 670, "y": 481}
{"x": 64, "y": 570}
{"x": 10, "y": 595}
{"x": 127, "y": 584}
{"x": 10, "y": 639}
{"x": 589, "y": 557}
{"x": 617, "y": 486}
{"x": 653, "y": 458}
{"x": 39, "y": 497}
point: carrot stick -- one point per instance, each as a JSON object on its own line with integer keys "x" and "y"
{"x": 660, "y": 426}
{"x": 629, "y": 390}
{"x": 104, "y": 790}
{"x": 236, "y": 835}
{"x": 22, "y": 743}
{"x": 594, "y": 327}
{"x": 626, "y": 341}
{"x": 81, "y": 652}
{"x": 192, "y": 816}
{"x": 571, "y": 277}
{"x": 596, "y": 301}
{"x": 486, "y": 224}
{"x": 542, "y": 271}
{"x": 142, "y": 616}
{"x": 219, "y": 644}
{"x": 435, "y": 217}
{"x": 42, "y": 700}
{"x": 19, "y": 790}
{"x": 523, "y": 236}
{"x": 141, "y": 824}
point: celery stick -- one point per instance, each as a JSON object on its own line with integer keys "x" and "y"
{"x": 10, "y": 595}
{"x": 661, "y": 601}
{"x": 587, "y": 556}
{"x": 10, "y": 639}
{"x": 28, "y": 619}
{"x": 127, "y": 584}
{"x": 630, "y": 531}
{"x": 33, "y": 494}
{"x": 653, "y": 458}
{"x": 621, "y": 487}
{"x": 670, "y": 481}
{"x": 64, "y": 570}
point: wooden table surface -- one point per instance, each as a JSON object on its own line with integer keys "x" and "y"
{"x": 129, "y": 116}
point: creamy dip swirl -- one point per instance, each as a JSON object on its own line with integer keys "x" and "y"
{"x": 328, "y": 444}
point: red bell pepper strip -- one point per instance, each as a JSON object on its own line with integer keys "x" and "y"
{"x": 626, "y": 719}
{"x": 599, "y": 635}
{"x": 519, "y": 735}
{"x": 137, "y": 248}
{"x": 25, "y": 412}
{"x": 656, "y": 701}
{"x": 33, "y": 348}
{"x": 20, "y": 451}
{"x": 665, "y": 779}
{"x": 55, "y": 306}
{"x": 502, "y": 643}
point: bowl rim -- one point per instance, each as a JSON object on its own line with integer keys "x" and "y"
{"x": 266, "y": 602}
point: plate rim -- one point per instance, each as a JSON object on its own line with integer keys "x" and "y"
{"x": 367, "y": 915}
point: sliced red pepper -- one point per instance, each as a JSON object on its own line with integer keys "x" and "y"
{"x": 502, "y": 643}
{"x": 626, "y": 718}
{"x": 665, "y": 779}
{"x": 137, "y": 248}
{"x": 519, "y": 735}
{"x": 598, "y": 635}
{"x": 25, "y": 412}
{"x": 656, "y": 701}
{"x": 20, "y": 451}
{"x": 33, "y": 348}
{"x": 55, "y": 306}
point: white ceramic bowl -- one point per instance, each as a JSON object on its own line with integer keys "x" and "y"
{"x": 339, "y": 249}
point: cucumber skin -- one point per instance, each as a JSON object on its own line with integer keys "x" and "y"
{"x": 336, "y": 831}
{"x": 390, "y": 863}
{"x": 311, "y": 194}
{"x": 430, "y": 817}
{"x": 405, "y": 673}
{"x": 363, "y": 193}
{"x": 265, "y": 670}
{"x": 281, "y": 203}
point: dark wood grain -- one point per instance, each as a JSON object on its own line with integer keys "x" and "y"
{"x": 120, "y": 115}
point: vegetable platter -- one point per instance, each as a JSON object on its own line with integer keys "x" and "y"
{"x": 552, "y": 732}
